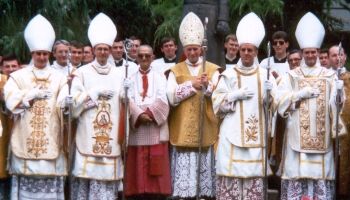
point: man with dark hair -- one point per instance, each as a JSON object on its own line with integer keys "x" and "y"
{"x": 168, "y": 47}
{"x": 324, "y": 58}
{"x": 88, "y": 55}
{"x": 231, "y": 47}
{"x": 76, "y": 50}
{"x": 118, "y": 60}
{"x": 278, "y": 62}
{"x": 9, "y": 64}
{"x": 132, "y": 54}
{"x": 294, "y": 58}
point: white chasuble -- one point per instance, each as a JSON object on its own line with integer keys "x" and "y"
{"x": 98, "y": 151}
{"x": 36, "y": 134}
{"x": 310, "y": 127}
{"x": 241, "y": 145}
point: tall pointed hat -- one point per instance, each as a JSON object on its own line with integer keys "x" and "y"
{"x": 191, "y": 30}
{"x": 250, "y": 30}
{"x": 39, "y": 34}
{"x": 310, "y": 32}
{"x": 102, "y": 30}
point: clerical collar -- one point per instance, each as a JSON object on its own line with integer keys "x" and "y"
{"x": 283, "y": 60}
{"x": 231, "y": 61}
{"x": 245, "y": 68}
{"x": 118, "y": 63}
{"x": 171, "y": 60}
{"x": 199, "y": 61}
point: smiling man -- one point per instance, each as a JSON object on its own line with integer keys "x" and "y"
{"x": 306, "y": 98}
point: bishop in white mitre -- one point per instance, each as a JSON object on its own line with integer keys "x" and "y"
{"x": 238, "y": 101}
{"x": 306, "y": 98}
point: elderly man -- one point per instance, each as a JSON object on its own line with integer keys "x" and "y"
{"x": 238, "y": 100}
{"x": 307, "y": 101}
{"x": 60, "y": 53}
{"x": 98, "y": 167}
{"x": 147, "y": 165}
{"x": 37, "y": 162}
{"x": 185, "y": 83}
{"x": 168, "y": 47}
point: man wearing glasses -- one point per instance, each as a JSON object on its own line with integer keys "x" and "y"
{"x": 278, "y": 62}
{"x": 147, "y": 166}
{"x": 294, "y": 58}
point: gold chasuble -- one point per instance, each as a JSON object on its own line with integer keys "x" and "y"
{"x": 184, "y": 118}
{"x": 5, "y": 136}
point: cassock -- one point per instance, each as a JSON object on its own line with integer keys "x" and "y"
{"x": 147, "y": 165}
{"x": 161, "y": 65}
{"x": 132, "y": 68}
{"x": 278, "y": 67}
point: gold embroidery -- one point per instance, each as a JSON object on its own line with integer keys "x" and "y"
{"x": 252, "y": 128}
{"x": 310, "y": 141}
{"x": 37, "y": 142}
{"x": 102, "y": 127}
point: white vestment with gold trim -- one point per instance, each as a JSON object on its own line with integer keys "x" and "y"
{"x": 240, "y": 151}
{"x": 98, "y": 152}
{"x": 308, "y": 149}
{"x": 36, "y": 135}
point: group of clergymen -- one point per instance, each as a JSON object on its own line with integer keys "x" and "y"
{"x": 216, "y": 122}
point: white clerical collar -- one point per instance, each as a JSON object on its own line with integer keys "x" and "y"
{"x": 230, "y": 59}
{"x": 199, "y": 61}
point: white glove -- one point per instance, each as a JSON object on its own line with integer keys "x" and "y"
{"x": 268, "y": 85}
{"x": 36, "y": 93}
{"x": 307, "y": 92}
{"x": 106, "y": 94}
{"x": 241, "y": 94}
{"x": 341, "y": 70}
{"x": 68, "y": 100}
{"x": 128, "y": 83}
{"x": 339, "y": 84}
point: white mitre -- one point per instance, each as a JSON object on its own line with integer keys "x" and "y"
{"x": 310, "y": 32}
{"x": 250, "y": 30}
{"x": 39, "y": 34}
{"x": 191, "y": 30}
{"x": 102, "y": 30}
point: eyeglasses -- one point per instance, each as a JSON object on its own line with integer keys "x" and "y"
{"x": 294, "y": 60}
{"x": 141, "y": 56}
{"x": 280, "y": 42}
